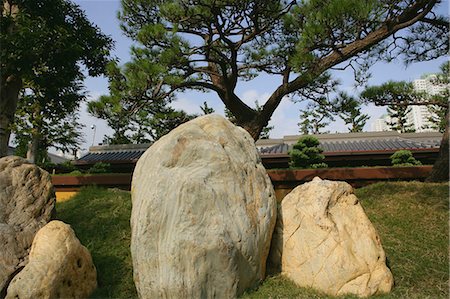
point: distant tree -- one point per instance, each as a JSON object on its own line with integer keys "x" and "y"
{"x": 206, "y": 109}
{"x": 44, "y": 40}
{"x": 133, "y": 121}
{"x": 47, "y": 117}
{"x": 142, "y": 126}
{"x": 229, "y": 115}
{"x": 348, "y": 109}
{"x": 315, "y": 117}
{"x": 214, "y": 45}
{"x": 399, "y": 119}
{"x": 306, "y": 153}
{"x": 395, "y": 95}
{"x": 437, "y": 118}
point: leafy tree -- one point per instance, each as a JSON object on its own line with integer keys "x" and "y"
{"x": 214, "y": 45}
{"x": 41, "y": 41}
{"x": 399, "y": 119}
{"x": 348, "y": 109}
{"x": 306, "y": 153}
{"x": 46, "y": 117}
{"x": 402, "y": 94}
{"x": 315, "y": 117}
{"x": 133, "y": 121}
{"x": 404, "y": 158}
{"x": 206, "y": 109}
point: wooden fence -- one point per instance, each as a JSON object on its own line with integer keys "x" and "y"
{"x": 283, "y": 180}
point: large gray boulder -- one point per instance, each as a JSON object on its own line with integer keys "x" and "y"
{"x": 27, "y": 201}
{"x": 59, "y": 267}
{"x": 203, "y": 213}
{"x": 324, "y": 240}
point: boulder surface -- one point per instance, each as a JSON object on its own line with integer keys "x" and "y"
{"x": 27, "y": 202}
{"x": 59, "y": 267}
{"x": 203, "y": 213}
{"x": 324, "y": 240}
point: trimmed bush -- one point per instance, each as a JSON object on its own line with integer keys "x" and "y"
{"x": 404, "y": 158}
{"x": 307, "y": 154}
{"x": 100, "y": 167}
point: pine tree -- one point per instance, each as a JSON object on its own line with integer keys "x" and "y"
{"x": 216, "y": 45}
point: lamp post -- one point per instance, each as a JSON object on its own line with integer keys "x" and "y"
{"x": 93, "y": 127}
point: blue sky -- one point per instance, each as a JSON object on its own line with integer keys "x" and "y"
{"x": 103, "y": 13}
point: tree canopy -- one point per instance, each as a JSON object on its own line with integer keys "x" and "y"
{"x": 214, "y": 45}
{"x": 46, "y": 117}
{"x": 43, "y": 43}
{"x": 348, "y": 108}
{"x": 131, "y": 121}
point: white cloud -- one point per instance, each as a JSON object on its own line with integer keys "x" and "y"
{"x": 250, "y": 96}
{"x": 188, "y": 105}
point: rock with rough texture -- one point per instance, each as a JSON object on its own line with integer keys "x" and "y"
{"x": 27, "y": 201}
{"x": 59, "y": 267}
{"x": 324, "y": 240}
{"x": 203, "y": 213}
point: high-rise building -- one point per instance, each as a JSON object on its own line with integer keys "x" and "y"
{"x": 380, "y": 124}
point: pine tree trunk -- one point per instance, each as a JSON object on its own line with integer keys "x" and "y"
{"x": 253, "y": 126}
{"x": 439, "y": 173}
{"x": 9, "y": 94}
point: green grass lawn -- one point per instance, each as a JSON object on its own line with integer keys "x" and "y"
{"x": 411, "y": 218}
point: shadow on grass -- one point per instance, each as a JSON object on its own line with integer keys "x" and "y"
{"x": 101, "y": 220}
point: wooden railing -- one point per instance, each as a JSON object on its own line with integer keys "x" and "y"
{"x": 283, "y": 180}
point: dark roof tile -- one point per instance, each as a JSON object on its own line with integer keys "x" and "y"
{"x": 392, "y": 144}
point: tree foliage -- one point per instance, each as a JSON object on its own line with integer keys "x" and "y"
{"x": 348, "y": 108}
{"x": 133, "y": 121}
{"x": 213, "y": 45}
{"x": 206, "y": 109}
{"x": 44, "y": 43}
{"x": 398, "y": 116}
{"x": 315, "y": 117}
{"x": 306, "y": 153}
{"x": 47, "y": 117}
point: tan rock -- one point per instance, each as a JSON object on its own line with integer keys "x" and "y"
{"x": 59, "y": 267}
{"x": 203, "y": 213}
{"x": 325, "y": 241}
{"x": 27, "y": 201}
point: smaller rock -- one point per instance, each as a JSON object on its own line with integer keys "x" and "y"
{"x": 324, "y": 240}
{"x": 59, "y": 267}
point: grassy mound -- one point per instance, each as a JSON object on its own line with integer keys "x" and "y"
{"x": 411, "y": 218}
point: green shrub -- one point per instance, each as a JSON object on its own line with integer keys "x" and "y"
{"x": 100, "y": 167}
{"x": 404, "y": 158}
{"x": 76, "y": 173}
{"x": 66, "y": 167}
{"x": 307, "y": 154}
{"x": 319, "y": 165}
